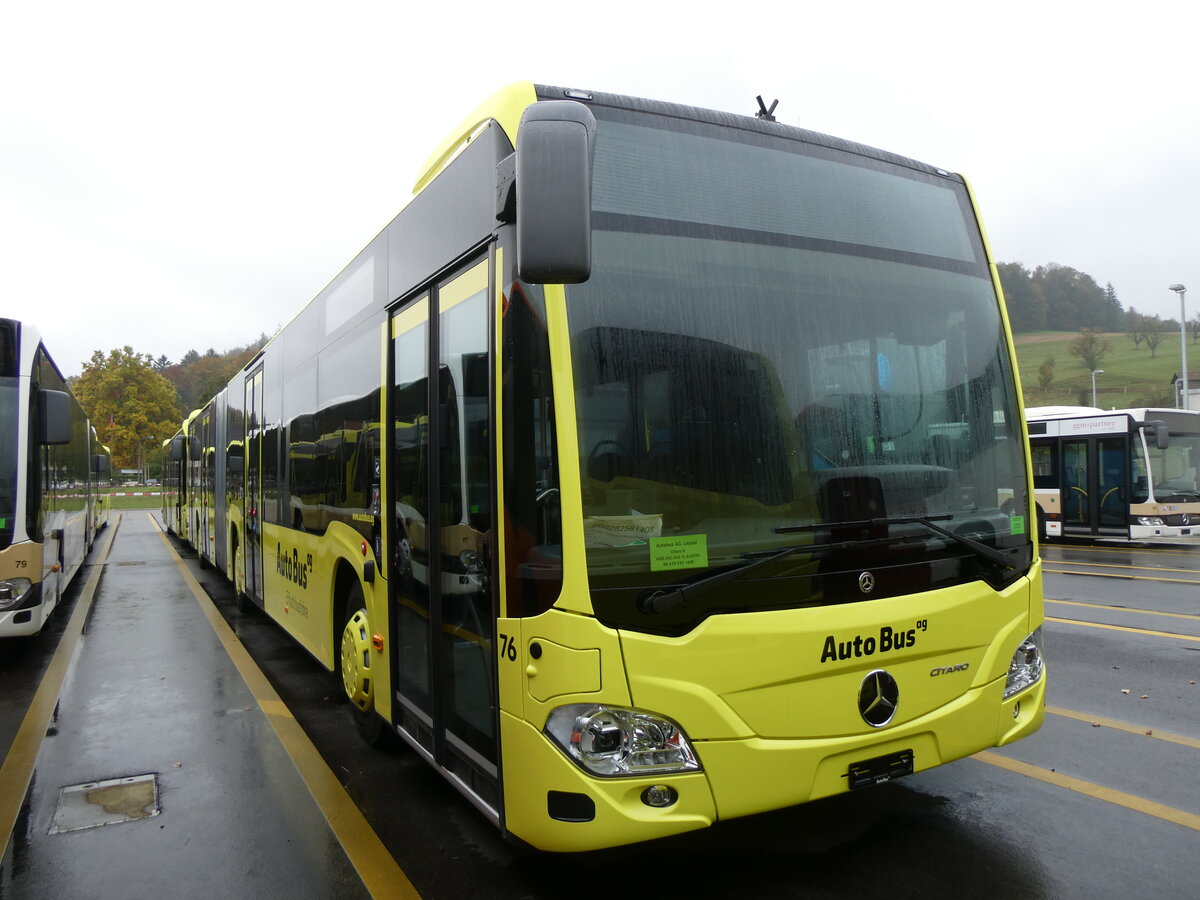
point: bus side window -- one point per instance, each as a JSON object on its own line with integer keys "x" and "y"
{"x": 532, "y": 509}
{"x": 1043, "y": 464}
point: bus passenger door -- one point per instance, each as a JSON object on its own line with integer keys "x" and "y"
{"x": 440, "y": 485}
{"x": 253, "y": 474}
{"x": 408, "y": 506}
{"x": 204, "y": 542}
{"x": 1112, "y": 493}
{"x": 466, "y": 658}
{"x": 1095, "y": 486}
{"x": 1076, "y": 480}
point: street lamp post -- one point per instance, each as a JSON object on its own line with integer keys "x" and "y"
{"x": 143, "y": 462}
{"x": 1182, "y": 292}
{"x": 1095, "y": 372}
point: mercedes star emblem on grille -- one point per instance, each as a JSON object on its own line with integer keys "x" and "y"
{"x": 878, "y": 696}
{"x": 866, "y": 582}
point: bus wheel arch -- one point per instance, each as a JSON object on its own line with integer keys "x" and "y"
{"x": 355, "y": 656}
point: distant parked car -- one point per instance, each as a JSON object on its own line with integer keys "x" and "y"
{"x": 151, "y": 482}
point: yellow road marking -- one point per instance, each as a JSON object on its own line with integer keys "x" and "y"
{"x": 1125, "y": 726}
{"x": 1124, "y": 609}
{"x": 275, "y": 708}
{"x": 17, "y": 770}
{"x": 1108, "y": 795}
{"x": 1166, "y": 634}
{"x": 377, "y": 868}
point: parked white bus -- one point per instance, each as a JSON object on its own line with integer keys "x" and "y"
{"x": 1128, "y": 473}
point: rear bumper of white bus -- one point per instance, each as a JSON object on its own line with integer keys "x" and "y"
{"x": 1139, "y": 532}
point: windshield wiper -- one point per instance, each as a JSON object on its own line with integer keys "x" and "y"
{"x": 661, "y": 601}
{"x": 989, "y": 553}
{"x": 1178, "y": 496}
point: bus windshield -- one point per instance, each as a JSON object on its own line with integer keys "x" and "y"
{"x": 808, "y": 352}
{"x": 1174, "y": 470}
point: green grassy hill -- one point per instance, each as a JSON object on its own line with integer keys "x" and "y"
{"x": 1132, "y": 377}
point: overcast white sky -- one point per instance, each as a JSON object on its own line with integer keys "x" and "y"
{"x": 178, "y": 177}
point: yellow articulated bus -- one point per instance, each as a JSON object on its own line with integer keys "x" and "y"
{"x": 54, "y": 477}
{"x": 179, "y": 459}
{"x": 654, "y": 466}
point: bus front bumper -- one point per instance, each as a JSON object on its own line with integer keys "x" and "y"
{"x": 550, "y": 803}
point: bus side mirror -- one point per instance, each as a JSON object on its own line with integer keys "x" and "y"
{"x": 556, "y": 141}
{"x": 1162, "y": 438}
{"x": 56, "y": 416}
{"x": 100, "y": 464}
{"x": 176, "y": 449}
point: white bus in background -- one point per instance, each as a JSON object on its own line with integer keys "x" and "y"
{"x": 54, "y": 476}
{"x": 1121, "y": 473}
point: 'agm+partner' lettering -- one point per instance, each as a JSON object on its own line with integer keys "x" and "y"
{"x": 866, "y": 646}
{"x": 289, "y": 566}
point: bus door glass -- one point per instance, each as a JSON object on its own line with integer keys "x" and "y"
{"x": 1113, "y": 490}
{"x": 464, "y": 515}
{"x": 408, "y": 492}
{"x": 254, "y": 425}
{"x": 204, "y": 543}
{"x": 1075, "y": 480}
{"x": 1095, "y": 484}
{"x": 440, "y": 489}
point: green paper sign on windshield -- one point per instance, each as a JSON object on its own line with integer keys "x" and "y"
{"x": 685, "y": 551}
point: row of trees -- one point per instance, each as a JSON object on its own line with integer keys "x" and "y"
{"x": 1152, "y": 329}
{"x": 1058, "y": 298}
{"x": 136, "y": 401}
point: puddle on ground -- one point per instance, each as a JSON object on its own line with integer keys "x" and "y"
{"x": 108, "y": 802}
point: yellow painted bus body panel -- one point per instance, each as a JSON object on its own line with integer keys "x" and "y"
{"x": 772, "y": 725}
{"x": 299, "y": 575}
{"x": 779, "y": 674}
{"x": 533, "y": 766}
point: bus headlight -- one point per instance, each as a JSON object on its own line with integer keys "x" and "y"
{"x": 1026, "y": 666}
{"x": 13, "y": 591}
{"x": 607, "y": 740}
{"x": 1150, "y": 520}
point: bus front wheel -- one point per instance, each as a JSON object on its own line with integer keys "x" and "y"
{"x": 356, "y": 669}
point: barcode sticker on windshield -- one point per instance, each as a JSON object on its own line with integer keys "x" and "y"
{"x": 684, "y": 551}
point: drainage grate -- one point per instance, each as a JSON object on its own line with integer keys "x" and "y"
{"x": 106, "y": 803}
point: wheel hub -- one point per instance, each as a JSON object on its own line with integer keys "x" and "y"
{"x": 356, "y": 660}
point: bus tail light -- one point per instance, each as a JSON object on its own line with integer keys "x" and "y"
{"x": 1026, "y": 667}
{"x": 607, "y": 740}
